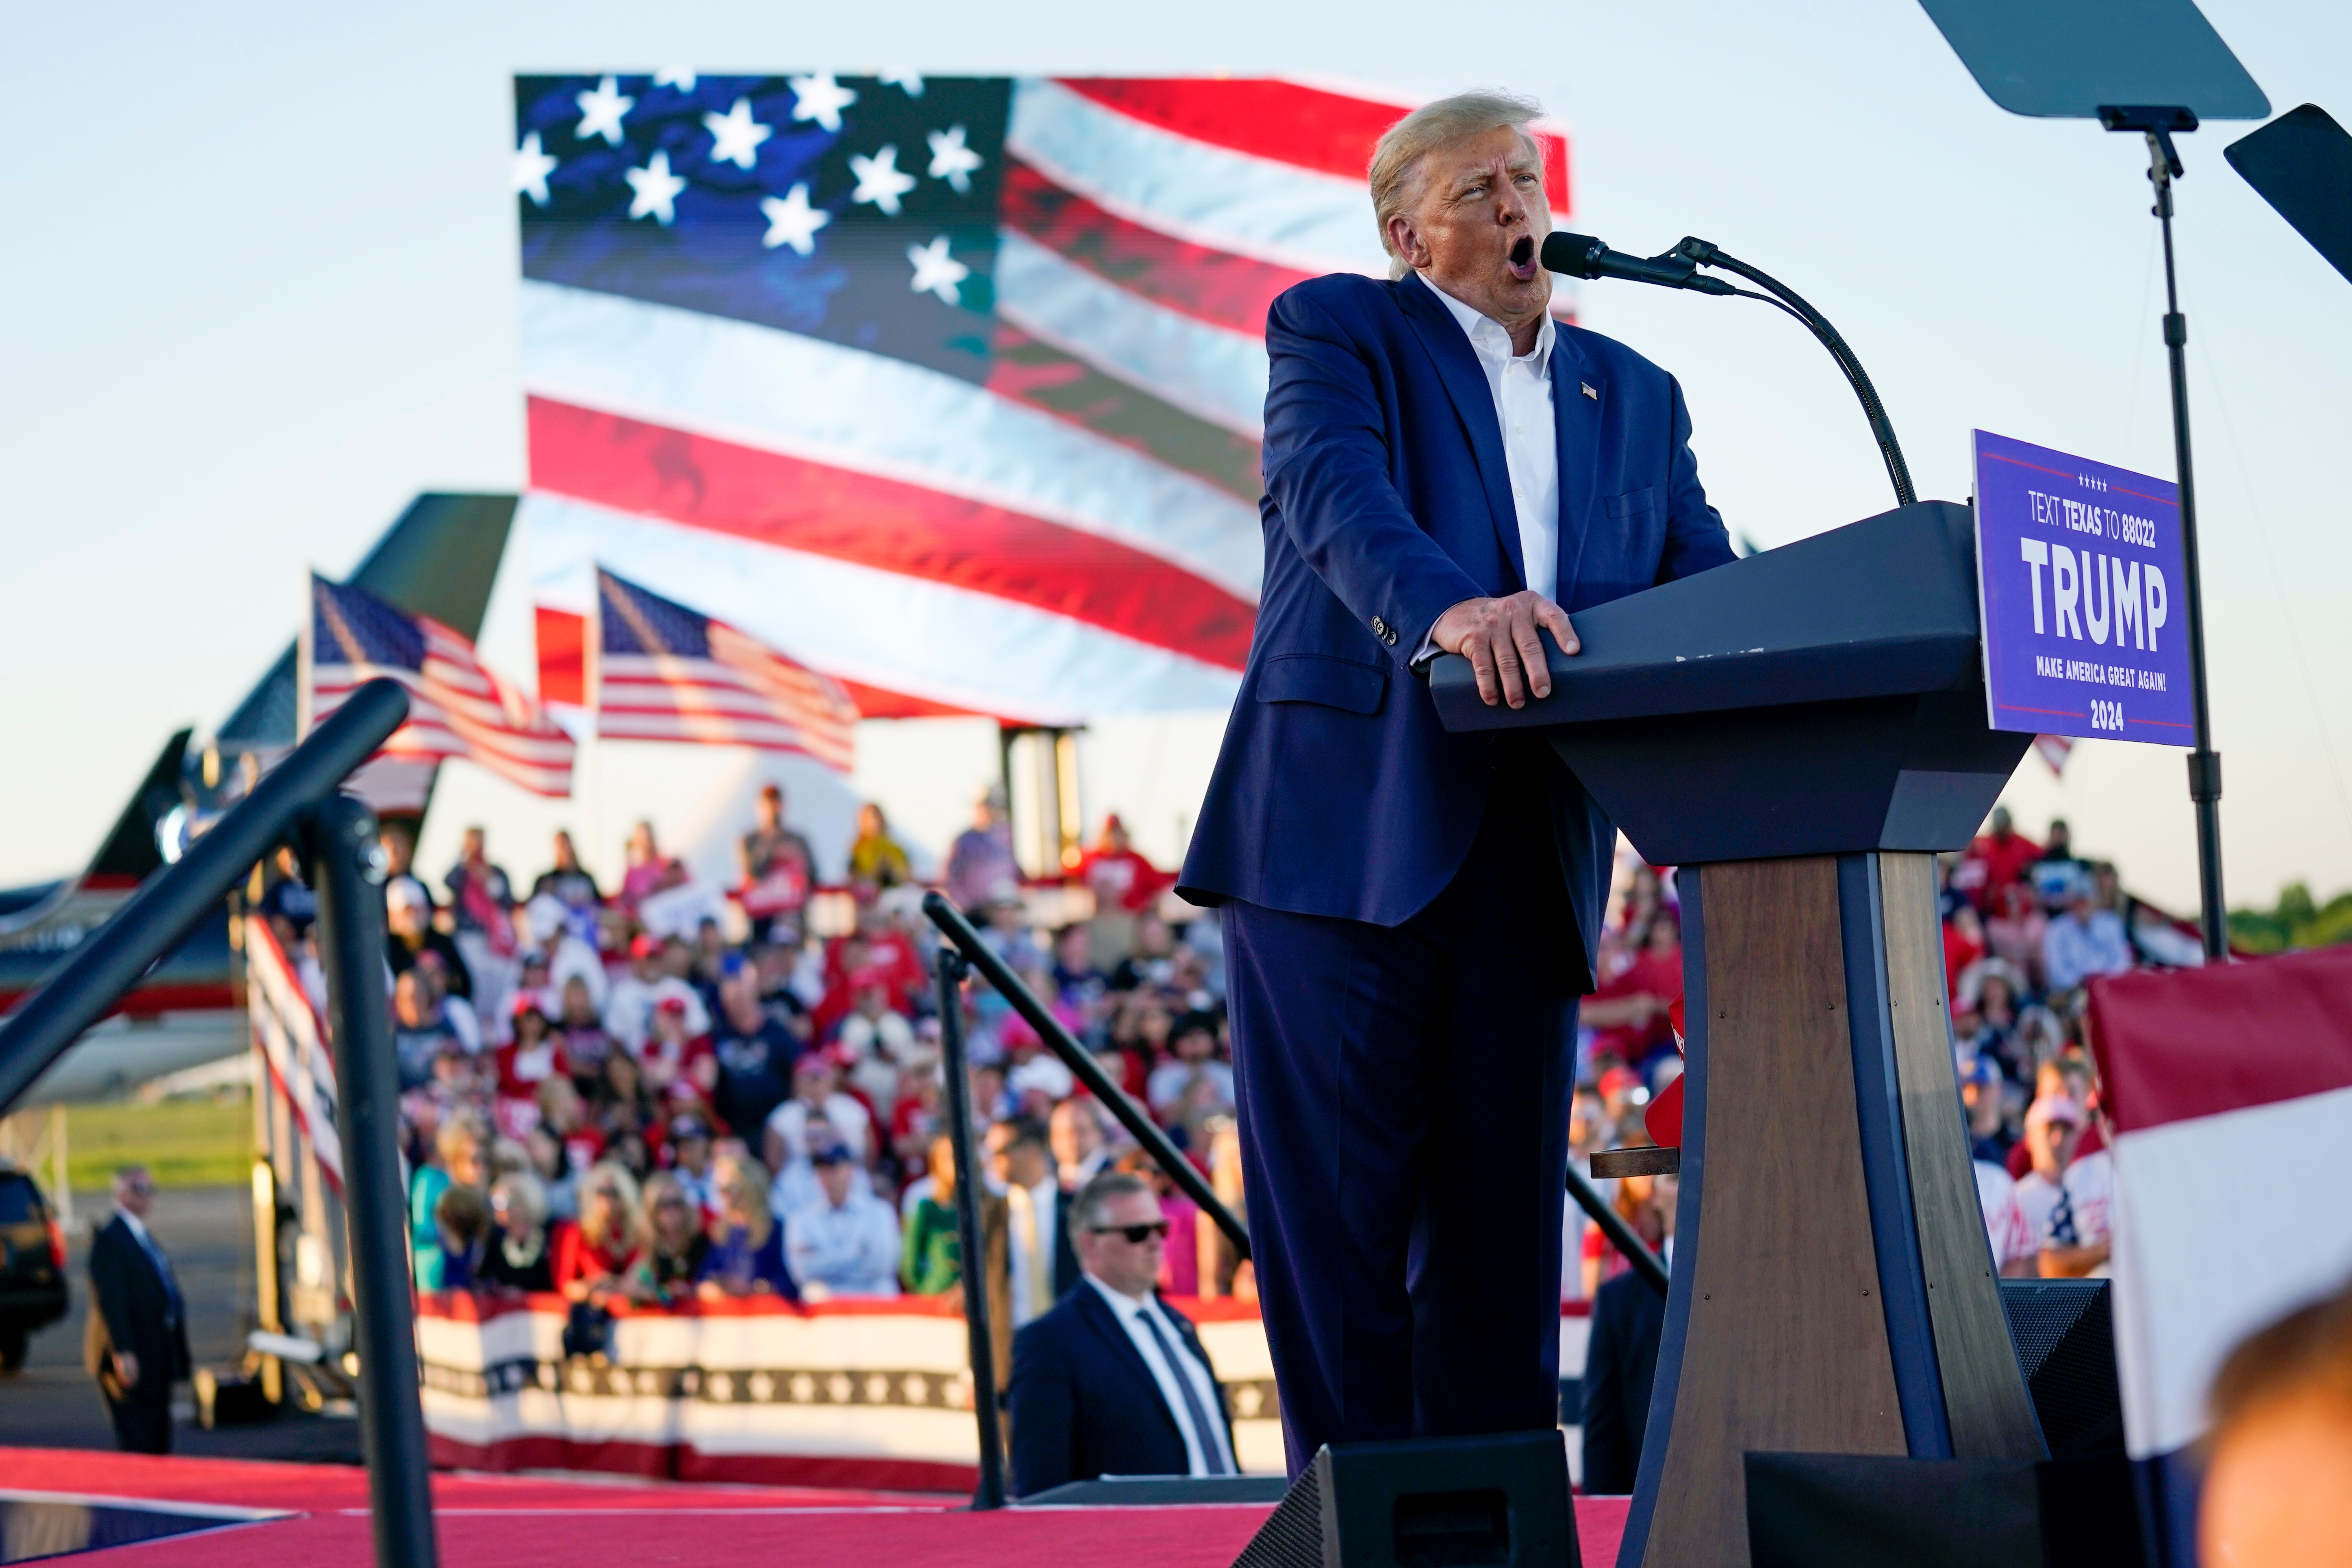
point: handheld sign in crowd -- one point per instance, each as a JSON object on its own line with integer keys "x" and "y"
{"x": 2081, "y": 582}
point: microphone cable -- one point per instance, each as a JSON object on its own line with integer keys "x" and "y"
{"x": 1705, "y": 253}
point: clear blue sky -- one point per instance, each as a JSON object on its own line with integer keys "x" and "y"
{"x": 260, "y": 289}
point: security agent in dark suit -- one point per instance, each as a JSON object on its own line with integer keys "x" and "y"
{"x": 1111, "y": 1382}
{"x": 144, "y": 1319}
{"x": 1621, "y": 1362}
{"x": 1410, "y": 915}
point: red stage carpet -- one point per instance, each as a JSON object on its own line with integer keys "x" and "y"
{"x": 517, "y": 1521}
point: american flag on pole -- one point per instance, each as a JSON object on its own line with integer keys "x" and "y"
{"x": 953, "y": 385}
{"x": 457, "y": 707}
{"x": 668, "y": 673}
{"x": 293, "y": 1039}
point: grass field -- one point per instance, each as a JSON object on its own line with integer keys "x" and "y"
{"x": 192, "y": 1143}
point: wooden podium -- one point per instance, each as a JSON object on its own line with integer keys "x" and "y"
{"x": 1800, "y": 731}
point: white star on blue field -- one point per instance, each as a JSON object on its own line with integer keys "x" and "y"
{"x": 858, "y": 209}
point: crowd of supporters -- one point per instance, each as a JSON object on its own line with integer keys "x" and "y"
{"x": 2025, "y": 926}
{"x": 668, "y": 1089}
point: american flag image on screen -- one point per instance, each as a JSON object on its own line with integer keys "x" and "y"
{"x": 953, "y": 385}
{"x": 457, "y": 706}
{"x": 668, "y": 673}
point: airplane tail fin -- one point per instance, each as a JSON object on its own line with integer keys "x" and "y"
{"x": 132, "y": 849}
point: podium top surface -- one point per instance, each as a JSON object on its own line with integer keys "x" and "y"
{"x": 1882, "y": 607}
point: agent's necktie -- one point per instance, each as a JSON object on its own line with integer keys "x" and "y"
{"x": 1212, "y": 1452}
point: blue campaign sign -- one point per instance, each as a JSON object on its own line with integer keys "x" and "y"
{"x": 2082, "y": 586}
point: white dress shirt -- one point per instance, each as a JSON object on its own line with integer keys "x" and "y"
{"x": 852, "y": 1250}
{"x": 155, "y": 1251}
{"x": 1130, "y": 1310}
{"x": 1521, "y": 385}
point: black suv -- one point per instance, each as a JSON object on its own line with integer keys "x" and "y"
{"x": 32, "y": 1264}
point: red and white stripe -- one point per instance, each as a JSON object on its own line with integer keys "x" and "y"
{"x": 745, "y": 694}
{"x": 2230, "y": 1089}
{"x": 1079, "y": 535}
{"x": 458, "y": 707}
{"x": 937, "y": 637}
{"x": 293, "y": 1043}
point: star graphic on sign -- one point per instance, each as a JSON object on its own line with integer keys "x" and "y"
{"x": 821, "y": 99}
{"x": 678, "y": 77}
{"x": 952, "y": 160}
{"x": 532, "y": 164}
{"x": 881, "y": 180}
{"x": 656, "y": 189}
{"x": 937, "y": 272}
{"x": 791, "y": 221}
{"x": 735, "y": 135}
{"x": 600, "y": 111}
{"x": 909, "y": 82}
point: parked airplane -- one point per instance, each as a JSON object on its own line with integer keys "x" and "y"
{"x": 439, "y": 559}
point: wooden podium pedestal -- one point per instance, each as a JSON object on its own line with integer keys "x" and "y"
{"x": 1833, "y": 1292}
{"x": 1800, "y": 732}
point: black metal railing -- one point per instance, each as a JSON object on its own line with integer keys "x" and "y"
{"x": 298, "y": 800}
{"x": 966, "y": 951}
{"x": 1140, "y": 1126}
{"x": 1646, "y": 1263}
{"x": 950, "y": 967}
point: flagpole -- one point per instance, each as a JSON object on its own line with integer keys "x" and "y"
{"x": 592, "y": 665}
{"x": 305, "y": 655}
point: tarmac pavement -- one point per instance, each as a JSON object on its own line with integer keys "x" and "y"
{"x": 208, "y": 1233}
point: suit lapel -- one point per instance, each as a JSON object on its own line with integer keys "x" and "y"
{"x": 1576, "y": 419}
{"x": 1113, "y": 1334}
{"x": 1473, "y": 402}
{"x": 1191, "y": 1337}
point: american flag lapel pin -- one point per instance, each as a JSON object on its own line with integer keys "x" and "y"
{"x": 1589, "y": 392}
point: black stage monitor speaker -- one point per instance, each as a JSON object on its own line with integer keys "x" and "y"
{"x": 2077, "y": 1510}
{"x": 2066, "y": 1348}
{"x": 1442, "y": 1502}
{"x": 1876, "y": 1510}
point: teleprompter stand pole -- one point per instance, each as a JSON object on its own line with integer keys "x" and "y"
{"x": 338, "y": 842}
{"x": 950, "y": 966}
{"x": 2163, "y": 166}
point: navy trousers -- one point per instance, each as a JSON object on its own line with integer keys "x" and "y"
{"x": 1403, "y": 1096}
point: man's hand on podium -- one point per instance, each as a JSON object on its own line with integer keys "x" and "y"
{"x": 1503, "y": 641}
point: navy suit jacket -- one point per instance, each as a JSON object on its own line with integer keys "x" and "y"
{"x": 128, "y": 1290}
{"x": 1388, "y": 501}
{"x": 1084, "y": 1403}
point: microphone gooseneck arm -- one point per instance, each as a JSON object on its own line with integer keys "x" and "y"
{"x": 1704, "y": 253}
{"x": 1582, "y": 256}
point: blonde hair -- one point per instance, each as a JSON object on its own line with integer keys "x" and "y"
{"x": 630, "y": 1219}
{"x": 1396, "y": 161}
{"x": 745, "y": 1178}
{"x": 462, "y": 1131}
{"x": 659, "y": 1185}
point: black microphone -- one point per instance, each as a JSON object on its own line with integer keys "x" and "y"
{"x": 1583, "y": 255}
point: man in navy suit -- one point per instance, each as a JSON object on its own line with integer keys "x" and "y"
{"x": 1621, "y": 1358}
{"x": 1409, "y": 914}
{"x": 1113, "y": 1382}
{"x": 138, "y": 1338}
